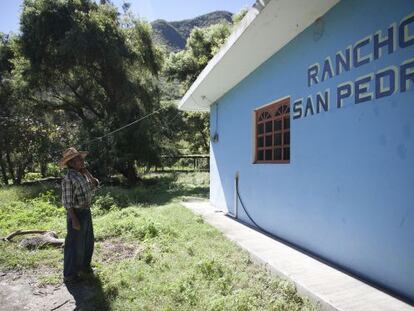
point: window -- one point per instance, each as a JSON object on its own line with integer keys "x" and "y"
{"x": 272, "y": 137}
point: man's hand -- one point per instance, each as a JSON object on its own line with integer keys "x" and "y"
{"x": 74, "y": 219}
{"x": 75, "y": 223}
{"x": 94, "y": 180}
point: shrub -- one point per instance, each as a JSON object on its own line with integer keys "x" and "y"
{"x": 53, "y": 169}
{"x": 103, "y": 204}
{"x": 32, "y": 176}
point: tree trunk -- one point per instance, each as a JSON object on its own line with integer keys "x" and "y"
{"x": 3, "y": 170}
{"x": 10, "y": 166}
{"x": 21, "y": 168}
{"x": 129, "y": 172}
{"x": 19, "y": 174}
{"x": 43, "y": 169}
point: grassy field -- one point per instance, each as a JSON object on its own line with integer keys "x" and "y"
{"x": 151, "y": 253}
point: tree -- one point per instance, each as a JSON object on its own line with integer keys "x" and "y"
{"x": 239, "y": 16}
{"x": 202, "y": 45}
{"x": 101, "y": 70}
{"x": 24, "y": 136}
{"x": 185, "y": 66}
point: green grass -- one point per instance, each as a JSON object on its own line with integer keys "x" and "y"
{"x": 152, "y": 253}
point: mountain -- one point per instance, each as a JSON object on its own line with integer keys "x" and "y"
{"x": 174, "y": 34}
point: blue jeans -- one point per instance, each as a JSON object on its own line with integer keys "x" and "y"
{"x": 78, "y": 244}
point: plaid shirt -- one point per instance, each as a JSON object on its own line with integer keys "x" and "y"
{"x": 77, "y": 190}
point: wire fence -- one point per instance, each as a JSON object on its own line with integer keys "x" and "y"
{"x": 185, "y": 163}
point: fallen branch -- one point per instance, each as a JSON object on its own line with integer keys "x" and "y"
{"x": 47, "y": 238}
{"x": 22, "y": 232}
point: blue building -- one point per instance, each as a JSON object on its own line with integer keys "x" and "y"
{"x": 312, "y": 115}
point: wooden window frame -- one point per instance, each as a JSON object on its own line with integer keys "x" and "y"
{"x": 270, "y": 113}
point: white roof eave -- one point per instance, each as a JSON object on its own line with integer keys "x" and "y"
{"x": 253, "y": 41}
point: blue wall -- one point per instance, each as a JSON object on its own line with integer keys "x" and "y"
{"x": 348, "y": 193}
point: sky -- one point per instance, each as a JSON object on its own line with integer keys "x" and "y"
{"x": 170, "y": 10}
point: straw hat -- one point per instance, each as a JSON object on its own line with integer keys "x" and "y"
{"x": 71, "y": 153}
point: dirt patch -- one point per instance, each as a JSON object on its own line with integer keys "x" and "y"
{"x": 116, "y": 250}
{"x": 23, "y": 290}
{"x": 43, "y": 289}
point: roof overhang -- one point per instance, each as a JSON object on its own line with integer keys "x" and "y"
{"x": 267, "y": 27}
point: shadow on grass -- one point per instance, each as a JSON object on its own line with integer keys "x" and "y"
{"x": 157, "y": 190}
{"x": 27, "y": 191}
{"x": 89, "y": 294}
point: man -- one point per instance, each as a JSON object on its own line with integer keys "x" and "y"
{"x": 77, "y": 189}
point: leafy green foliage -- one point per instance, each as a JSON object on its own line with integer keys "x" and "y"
{"x": 80, "y": 69}
{"x": 25, "y": 135}
{"x": 185, "y": 66}
{"x": 202, "y": 45}
{"x": 239, "y": 15}
{"x": 100, "y": 68}
{"x": 32, "y": 176}
{"x": 103, "y": 204}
